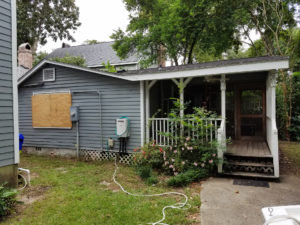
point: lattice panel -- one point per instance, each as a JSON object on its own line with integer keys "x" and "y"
{"x": 126, "y": 159}
{"x": 94, "y": 155}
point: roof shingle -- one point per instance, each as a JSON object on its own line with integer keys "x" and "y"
{"x": 95, "y": 54}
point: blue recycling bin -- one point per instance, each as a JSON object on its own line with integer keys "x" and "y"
{"x": 21, "y": 141}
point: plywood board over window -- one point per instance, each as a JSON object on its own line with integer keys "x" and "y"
{"x": 51, "y": 110}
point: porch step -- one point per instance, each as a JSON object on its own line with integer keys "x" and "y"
{"x": 248, "y": 155}
{"x": 250, "y": 164}
{"x": 249, "y": 174}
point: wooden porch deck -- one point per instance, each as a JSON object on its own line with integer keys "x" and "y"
{"x": 247, "y": 148}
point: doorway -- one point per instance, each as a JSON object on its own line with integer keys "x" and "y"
{"x": 250, "y": 112}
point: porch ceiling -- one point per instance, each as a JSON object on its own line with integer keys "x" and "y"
{"x": 233, "y": 66}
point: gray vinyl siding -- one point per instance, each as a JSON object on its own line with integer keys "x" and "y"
{"x": 118, "y": 98}
{"x": 6, "y": 96}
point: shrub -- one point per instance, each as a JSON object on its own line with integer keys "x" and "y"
{"x": 147, "y": 174}
{"x": 149, "y": 155}
{"x": 187, "y": 177}
{"x": 7, "y": 200}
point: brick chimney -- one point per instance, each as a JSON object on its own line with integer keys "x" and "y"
{"x": 25, "y": 56}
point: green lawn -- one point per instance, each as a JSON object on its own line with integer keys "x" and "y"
{"x": 292, "y": 151}
{"x": 71, "y": 192}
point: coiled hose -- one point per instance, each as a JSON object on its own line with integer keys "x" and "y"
{"x": 179, "y": 205}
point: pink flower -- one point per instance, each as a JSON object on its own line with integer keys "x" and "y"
{"x": 175, "y": 173}
{"x": 202, "y": 164}
{"x": 173, "y": 160}
{"x": 183, "y": 162}
{"x": 211, "y": 161}
{"x": 175, "y": 151}
{"x": 187, "y": 138}
{"x": 166, "y": 163}
{"x": 196, "y": 164}
{"x": 182, "y": 149}
{"x": 174, "y": 169}
{"x": 185, "y": 144}
{"x": 171, "y": 166}
{"x": 214, "y": 155}
{"x": 165, "y": 158}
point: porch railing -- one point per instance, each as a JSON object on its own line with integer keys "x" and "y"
{"x": 221, "y": 144}
{"x": 157, "y": 127}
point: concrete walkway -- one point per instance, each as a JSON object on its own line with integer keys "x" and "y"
{"x": 226, "y": 204}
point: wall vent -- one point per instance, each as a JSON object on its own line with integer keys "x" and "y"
{"x": 49, "y": 74}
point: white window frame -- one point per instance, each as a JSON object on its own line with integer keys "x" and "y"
{"x": 53, "y": 70}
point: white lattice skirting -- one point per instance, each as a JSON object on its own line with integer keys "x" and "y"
{"x": 96, "y": 155}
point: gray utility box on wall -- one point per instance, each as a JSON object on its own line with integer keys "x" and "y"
{"x": 74, "y": 112}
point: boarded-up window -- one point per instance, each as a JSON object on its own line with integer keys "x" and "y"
{"x": 51, "y": 110}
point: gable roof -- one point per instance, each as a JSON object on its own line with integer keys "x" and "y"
{"x": 95, "y": 54}
{"x": 232, "y": 66}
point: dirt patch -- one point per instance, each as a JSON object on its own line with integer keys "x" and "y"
{"x": 194, "y": 218}
{"x": 32, "y": 194}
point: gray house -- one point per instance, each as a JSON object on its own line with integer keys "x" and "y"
{"x": 9, "y": 147}
{"x": 240, "y": 91}
{"x": 96, "y": 54}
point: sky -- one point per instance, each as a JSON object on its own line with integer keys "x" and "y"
{"x": 99, "y": 18}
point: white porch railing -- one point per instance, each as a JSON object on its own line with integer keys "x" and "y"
{"x": 157, "y": 127}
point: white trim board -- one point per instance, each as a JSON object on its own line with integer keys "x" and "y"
{"x": 196, "y": 72}
{"x": 42, "y": 63}
{"x": 116, "y": 64}
{"x": 15, "y": 81}
{"x": 232, "y": 69}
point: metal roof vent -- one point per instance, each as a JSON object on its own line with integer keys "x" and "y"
{"x": 49, "y": 74}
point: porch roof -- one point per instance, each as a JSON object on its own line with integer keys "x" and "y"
{"x": 231, "y": 66}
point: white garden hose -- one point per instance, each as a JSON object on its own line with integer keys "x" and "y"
{"x": 26, "y": 181}
{"x": 179, "y": 205}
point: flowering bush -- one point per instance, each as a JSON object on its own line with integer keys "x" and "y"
{"x": 149, "y": 155}
{"x": 189, "y": 154}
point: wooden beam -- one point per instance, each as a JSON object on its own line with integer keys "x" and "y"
{"x": 150, "y": 85}
{"x": 187, "y": 81}
{"x": 176, "y": 82}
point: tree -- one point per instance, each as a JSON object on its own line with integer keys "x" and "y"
{"x": 90, "y": 42}
{"x": 109, "y": 68}
{"x": 74, "y": 60}
{"x": 39, "y": 19}
{"x": 39, "y": 57}
{"x": 275, "y": 22}
{"x": 179, "y": 27}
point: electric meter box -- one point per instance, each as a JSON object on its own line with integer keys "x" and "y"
{"x": 122, "y": 127}
{"x": 74, "y": 113}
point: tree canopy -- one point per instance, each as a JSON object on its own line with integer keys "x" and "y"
{"x": 39, "y": 19}
{"x": 179, "y": 27}
{"x": 74, "y": 60}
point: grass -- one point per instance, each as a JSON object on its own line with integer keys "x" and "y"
{"x": 292, "y": 151}
{"x": 83, "y": 193}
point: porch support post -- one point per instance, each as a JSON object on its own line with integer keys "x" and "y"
{"x": 148, "y": 86}
{"x": 271, "y": 127}
{"x": 142, "y": 113}
{"x": 222, "y": 129}
{"x": 181, "y": 84}
{"x": 223, "y": 99}
{"x": 181, "y": 92}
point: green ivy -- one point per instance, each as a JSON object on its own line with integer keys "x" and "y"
{"x": 7, "y": 200}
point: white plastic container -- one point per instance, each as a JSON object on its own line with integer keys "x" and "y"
{"x": 282, "y": 213}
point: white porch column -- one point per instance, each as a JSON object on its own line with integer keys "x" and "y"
{"x": 223, "y": 98}
{"x": 272, "y": 132}
{"x": 142, "y": 112}
{"x": 148, "y": 86}
{"x": 181, "y": 92}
